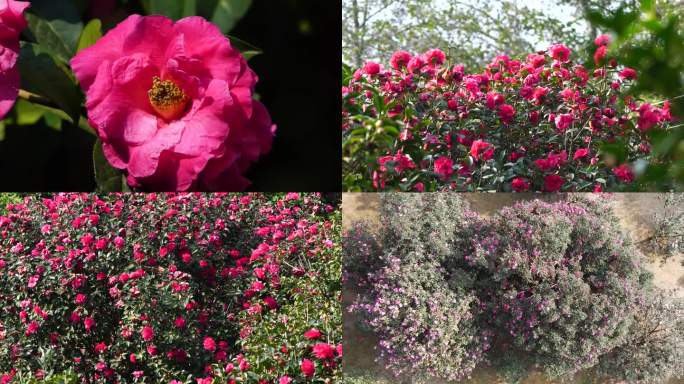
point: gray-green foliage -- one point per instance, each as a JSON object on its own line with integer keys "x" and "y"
{"x": 667, "y": 238}
{"x": 472, "y": 31}
{"x": 654, "y": 350}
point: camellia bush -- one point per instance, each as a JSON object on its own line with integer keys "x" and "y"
{"x": 544, "y": 123}
{"x": 554, "y": 287}
{"x": 171, "y": 288}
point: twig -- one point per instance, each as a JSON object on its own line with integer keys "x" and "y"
{"x": 36, "y": 99}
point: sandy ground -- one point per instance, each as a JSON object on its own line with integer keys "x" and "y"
{"x": 635, "y": 211}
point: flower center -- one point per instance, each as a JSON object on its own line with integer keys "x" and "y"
{"x": 167, "y": 99}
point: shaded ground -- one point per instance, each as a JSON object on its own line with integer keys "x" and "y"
{"x": 635, "y": 211}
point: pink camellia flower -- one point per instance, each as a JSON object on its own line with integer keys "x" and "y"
{"x": 444, "y": 167}
{"x": 323, "y": 351}
{"x": 481, "y": 150}
{"x": 89, "y": 323}
{"x": 600, "y": 54}
{"x": 400, "y": 59}
{"x": 624, "y": 173}
{"x": 308, "y": 367}
{"x": 563, "y": 121}
{"x": 628, "y": 73}
{"x": 209, "y": 344}
{"x": 371, "y": 68}
{"x": 147, "y": 333}
{"x": 520, "y": 185}
{"x": 12, "y": 22}
{"x": 602, "y": 40}
{"x": 173, "y": 104}
{"x": 284, "y": 380}
{"x": 312, "y": 334}
{"x": 506, "y": 113}
{"x": 580, "y": 153}
{"x": 553, "y": 183}
{"x": 560, "y": 52}
{"x": 80, "y": 299}
{"x": 435, "y": 57}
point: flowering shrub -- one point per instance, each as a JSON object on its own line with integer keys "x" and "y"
{"x": 550, "y": 286}
{"x": 171, "y": 288}
{"x": 539, "y": 124}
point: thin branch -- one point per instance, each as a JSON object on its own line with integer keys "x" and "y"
{"x": 36, "y": 99}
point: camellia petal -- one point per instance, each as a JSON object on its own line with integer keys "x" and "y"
{"x": 12, "y": 22}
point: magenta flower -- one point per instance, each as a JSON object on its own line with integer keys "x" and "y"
{"x": 173, "y": 104}
{"x": 12, "y": 22}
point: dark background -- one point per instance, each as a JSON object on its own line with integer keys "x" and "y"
{"x": 299, "y": 83}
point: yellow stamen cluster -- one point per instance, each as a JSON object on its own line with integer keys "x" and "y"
{"x": 167, "y": 99}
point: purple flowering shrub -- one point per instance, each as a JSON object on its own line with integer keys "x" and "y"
{"x": 550, "y": 286}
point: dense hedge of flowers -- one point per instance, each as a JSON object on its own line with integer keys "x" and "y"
{"x": 171, "y": 288}
{"x": 549, "y": 286}
{"x": 541, "y": 124}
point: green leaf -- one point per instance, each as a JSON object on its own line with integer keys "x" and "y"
{"x": 27, "y": 113}
{"x": 90, "y": 35}
{"x": 2, "y": 130}
{"x": 56, "y": 26}
{"x": 108, "y": 178}
{"x": 175, "y": 9}
{"x": 40, "y": 74}
{"x": 229, "y": 12}
{"x": 248, "y": 50}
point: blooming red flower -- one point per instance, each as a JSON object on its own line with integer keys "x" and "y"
{"x": 624, "y": 173}
{"x": 520, "y": 185}
{"x": 89, "y": 323}
{"x": 371, "y": 68}
{"x": 506, "y": 113}
{"x": 444, "y": 167}
{"x": 553, "y": 183}
{"x": 308, "y": 367}
{"x": 173, "y": 104}
{"x": 563, "y": 121}
{"x": 209, "y": 344}
{"x": 435, "y": 57}
{"x": 312, "y": 334}
{"x": 580, "y": 153}
{"x": 560, "y": 52}
{"x": 481, "y": 149}
{"x": 493, "y": 99}
{"x": 628, "y": 73}
{"x": 600, "y": 54}
{"x": 323, "y": 351}
{"x": 12, "y": 22}
{"x": 100, "y": 347}
{"x": 147, "y": 333}
{"x": 400, "y": 59}
{"x": 602, "y": 40}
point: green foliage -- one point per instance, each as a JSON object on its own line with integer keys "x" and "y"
{"x": 108, "y": 178}
{"x": 8, "y": 198}
{"x": 42, "y": 75}
{"x": 56, "y": 26}
{"x": 224, "y": 13}
{"x": 91, "y": 34}
{"x": 650, "y": 38}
